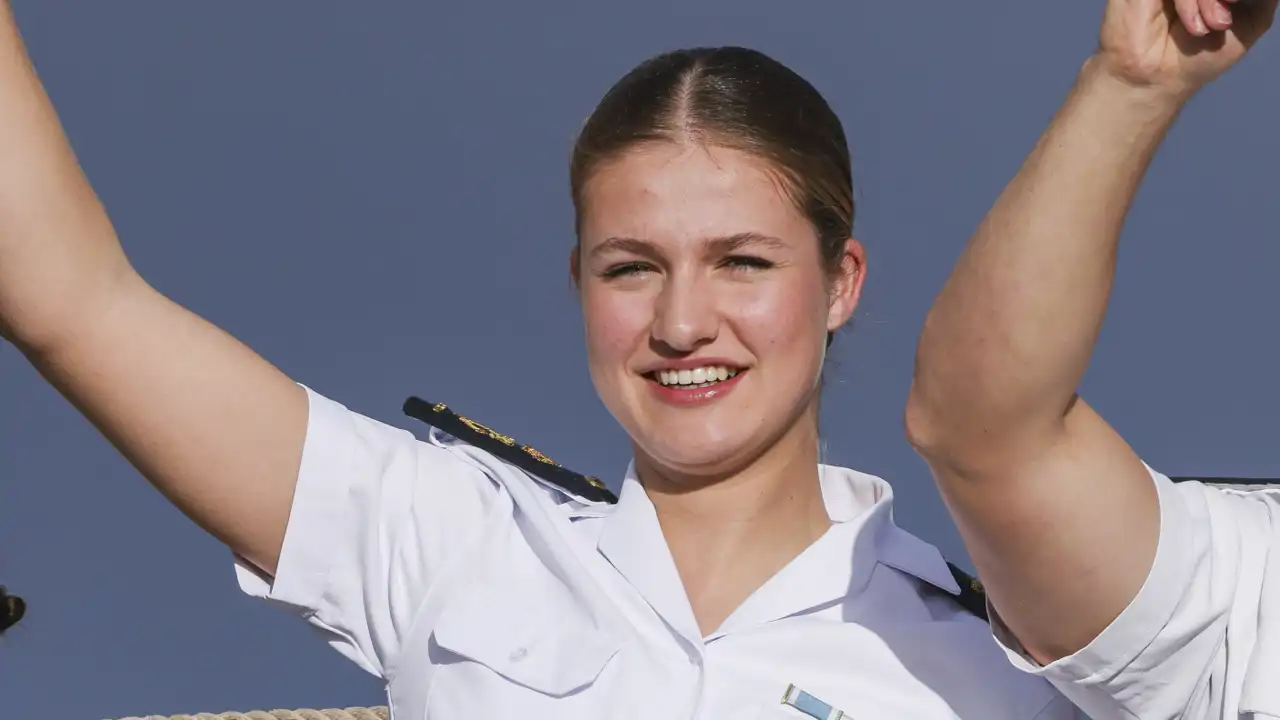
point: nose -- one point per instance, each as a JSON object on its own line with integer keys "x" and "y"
{"x": 686, "y": 316}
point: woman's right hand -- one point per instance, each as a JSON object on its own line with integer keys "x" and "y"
{"x": 1178, "y": 46}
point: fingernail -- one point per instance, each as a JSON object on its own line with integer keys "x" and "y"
{"x": 1224, "y": 15}
{"x": 1200, "y": 27}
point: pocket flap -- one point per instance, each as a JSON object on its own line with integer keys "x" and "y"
{"x": 533, "y": 630}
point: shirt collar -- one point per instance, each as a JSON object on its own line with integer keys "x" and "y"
{"x": 633, "y": 542}
{"x": 838, "y": 565}
{"x": 850, "y": 495}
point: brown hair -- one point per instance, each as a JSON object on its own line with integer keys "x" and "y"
{"x": 737, "y": 98}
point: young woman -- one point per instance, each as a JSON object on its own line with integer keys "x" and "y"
{"x": 1137, "y": 597}
{"x": 735, "y": 577}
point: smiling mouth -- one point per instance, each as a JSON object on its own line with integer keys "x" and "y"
{"x": 694, "y": 378}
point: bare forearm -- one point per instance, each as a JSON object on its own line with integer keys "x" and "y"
{"x": 1022, "y": 465}
{"x": 1010, "y": 336}
{"x": 59, "y": 256}
{"x": 1059, "y": 514}
{"x": 217, "y": 429}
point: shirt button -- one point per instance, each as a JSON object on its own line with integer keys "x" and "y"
{"x": 518, "y": 654}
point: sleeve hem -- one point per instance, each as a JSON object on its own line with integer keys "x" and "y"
{"x": 316, "y": 517}
{"x": 1147, "y": 614}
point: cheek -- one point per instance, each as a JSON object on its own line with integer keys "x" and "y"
{"x": 787, "y": 315}
{"x": 616, "y": 324}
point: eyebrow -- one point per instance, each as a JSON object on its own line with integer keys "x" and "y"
{"x": 716, "y": 245}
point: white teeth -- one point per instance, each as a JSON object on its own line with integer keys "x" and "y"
{"x": 697, "y": 376}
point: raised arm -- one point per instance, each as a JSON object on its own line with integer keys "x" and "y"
{"x": 214, "y": 427}
{"x": 1060, "y": 516}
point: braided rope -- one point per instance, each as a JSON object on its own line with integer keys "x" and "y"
{"x": 353, "y": 713}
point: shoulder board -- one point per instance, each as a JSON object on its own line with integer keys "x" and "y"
{"x": 438, "y": 415}
{"x": 972, "y": 596}
{"x": 1232, "y": 482}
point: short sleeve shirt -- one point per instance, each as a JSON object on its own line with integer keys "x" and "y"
{"x": 476, "y": 590}
{"x": 1201, "y": 640}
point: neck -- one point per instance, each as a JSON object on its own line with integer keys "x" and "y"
{"x": 776, "y": 488}
{"x": 731, "y": 532}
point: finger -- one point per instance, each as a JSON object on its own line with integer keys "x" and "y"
{"x": 1216, "y": 14}
{"x": 1189, "y": 14}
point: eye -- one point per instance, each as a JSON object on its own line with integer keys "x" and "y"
{"x": 625, "y": 269}
{"x": 746, "y": 262}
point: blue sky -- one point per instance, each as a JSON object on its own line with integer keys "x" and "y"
{"x": 374, "y": 196}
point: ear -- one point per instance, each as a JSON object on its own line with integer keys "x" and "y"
{"x": 574, "y": 268}
{"x": 846, "y": 287}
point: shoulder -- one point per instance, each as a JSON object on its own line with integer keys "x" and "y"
{"x": 508, "y": 451}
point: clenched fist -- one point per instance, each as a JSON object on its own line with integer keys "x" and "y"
{"x": 1177, "y": 46}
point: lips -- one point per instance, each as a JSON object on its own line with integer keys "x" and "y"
{"x": 694, "y": 386}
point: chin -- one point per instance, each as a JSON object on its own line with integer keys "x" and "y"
{"x": 714, "y": 440}
{"x": 700, "y": 453}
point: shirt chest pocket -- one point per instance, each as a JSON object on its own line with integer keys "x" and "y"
{"x": 549, "y": 654}
{"x": 521, "y": 639}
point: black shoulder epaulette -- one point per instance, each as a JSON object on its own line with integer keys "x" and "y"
{"x": 438, "y": 415}
{"x": 972, "y": 597}
{"x": 1230, "y": 481}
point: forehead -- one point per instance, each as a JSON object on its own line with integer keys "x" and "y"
{"x": 668, "y": 193}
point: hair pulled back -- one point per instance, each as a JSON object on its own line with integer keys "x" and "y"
{"x": 735, "y": 98}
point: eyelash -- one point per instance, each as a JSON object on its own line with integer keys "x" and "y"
{"x": 734, "y": 262}
{"x": 749, "y": 262}
{"x": 623, "y": 269}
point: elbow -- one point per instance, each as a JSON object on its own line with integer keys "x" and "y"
{"x": 934, "y": 422}
{"x": 968, "y": 437}
{"x": 941, "y": 401}
{"x": 931, "y": 428}
{"x": 956, "y": 436}
{"x": 918, "y": 421}
{"x": 45, "y": 325}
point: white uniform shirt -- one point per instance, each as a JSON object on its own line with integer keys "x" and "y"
{"x": 1201, "y": 640}
{"x": 478, "y": 591}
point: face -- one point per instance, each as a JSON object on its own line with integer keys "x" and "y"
{"x": 706, "y": 304}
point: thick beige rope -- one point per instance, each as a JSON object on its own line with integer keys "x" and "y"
{"x": 354, "y": 713}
